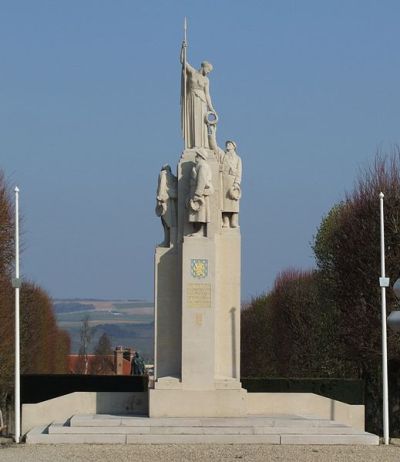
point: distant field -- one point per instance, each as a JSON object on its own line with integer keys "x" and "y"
{"x": 129, "y": 323}
{"x": 67, "y": 325}
{"x": 133, "y": 305}
{"x": 104, "y": 316}
{"x": 134, "y": 311}
{"x": 106, "y": 305}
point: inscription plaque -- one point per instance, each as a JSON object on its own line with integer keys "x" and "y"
{"x": 198, "y": 295}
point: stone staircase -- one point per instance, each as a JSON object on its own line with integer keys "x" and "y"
{"x": 273, "y": 429}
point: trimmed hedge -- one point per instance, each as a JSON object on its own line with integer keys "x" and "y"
{"x": 41, "y": 387}
{"x": 350, "y": 391}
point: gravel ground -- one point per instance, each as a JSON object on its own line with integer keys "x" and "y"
{"x": 209, "y": 453}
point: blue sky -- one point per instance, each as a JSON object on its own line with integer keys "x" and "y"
{"x": 89, "y": 112}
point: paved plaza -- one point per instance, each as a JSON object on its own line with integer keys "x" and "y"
{"x": 167, "y": 453}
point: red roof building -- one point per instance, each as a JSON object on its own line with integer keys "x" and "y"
{"x": 118, "y": 363}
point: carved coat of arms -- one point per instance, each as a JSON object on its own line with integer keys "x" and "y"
{"x": 199, "y": 268}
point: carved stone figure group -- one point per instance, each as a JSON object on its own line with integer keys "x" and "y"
{"x": 199, "y": 122}
{"x": 200, "y": 189}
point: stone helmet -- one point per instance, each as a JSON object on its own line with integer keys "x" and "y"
{"x": 230, "y": 141}
{"x": 202, "y": 153}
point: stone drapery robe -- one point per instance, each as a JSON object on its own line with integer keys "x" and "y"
{"x": 231, "y": 168}
{"x": 201, "y": 186}
{"x": 197, "y": 85}
{"x": 167, "y": 193}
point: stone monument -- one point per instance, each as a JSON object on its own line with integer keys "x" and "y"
{"x": 197, "y": 322}
{"x": 197, "y": 267}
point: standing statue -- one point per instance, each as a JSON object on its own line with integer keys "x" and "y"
{"x": 137, "y": 365}
{"x": 231, "y": 172}
{"x": 195, "y": 102}
{"x": 167, "y": 193}
{"x": 201, "y": 189}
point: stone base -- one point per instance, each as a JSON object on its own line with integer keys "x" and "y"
{"x": 266, "y": 429}
{"x": 193, "y": 403}
{"x": 168, "y": 383}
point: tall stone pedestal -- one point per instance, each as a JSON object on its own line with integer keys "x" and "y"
{"x": 168, "y": 318}
{"x": 197, "y": 313}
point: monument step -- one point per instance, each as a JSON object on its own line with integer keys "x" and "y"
{"x": 166, "y": 430}
{"x": 94, "y": 420}
{"x": 108, "y": 429}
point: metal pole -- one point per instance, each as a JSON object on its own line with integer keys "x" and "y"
{"x": 185, "y": 128}
{"x": 17, "y": 353}
{"x": 384, "y": 282}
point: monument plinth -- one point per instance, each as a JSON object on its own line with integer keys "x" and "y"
{"x": 197, "y": 268}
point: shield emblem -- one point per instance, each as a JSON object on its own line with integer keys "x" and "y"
{"x": 199, "y": 268}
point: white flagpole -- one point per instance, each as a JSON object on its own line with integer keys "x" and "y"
{"x": 17, "y": 341}
{"x": 384, "y": 282}
{"x": 185, "y": 128}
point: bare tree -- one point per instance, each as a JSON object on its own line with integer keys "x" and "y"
{"x": 103, "y": 363}
{"x": 86, "y": 337}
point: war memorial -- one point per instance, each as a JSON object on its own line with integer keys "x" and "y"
{"x": 196, "y": 395}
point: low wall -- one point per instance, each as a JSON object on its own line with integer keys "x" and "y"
{"x": 36, "y": 388}
{"x": 64, "y": 407}
{"x": 349, "y": 391}
{"x": 306, "y": 403}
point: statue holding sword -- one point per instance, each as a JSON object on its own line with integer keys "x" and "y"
{"x": 196, "y": 105}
